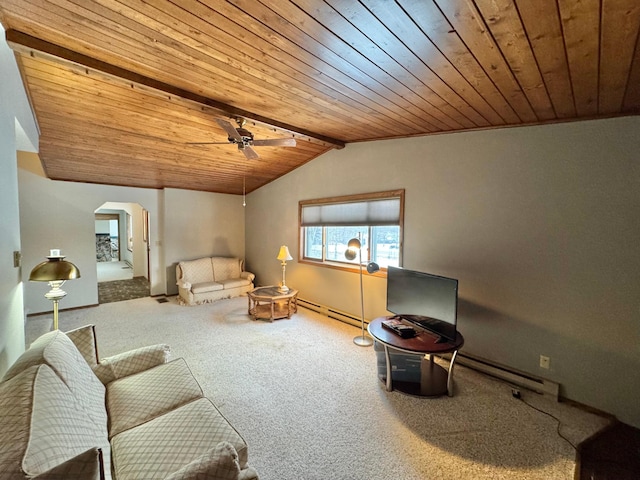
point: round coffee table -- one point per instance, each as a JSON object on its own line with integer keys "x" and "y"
{"x": 269, "y": 303}
{"x": 434, "y": 379}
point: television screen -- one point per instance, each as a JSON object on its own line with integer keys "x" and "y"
{"x": 429, "y": 301}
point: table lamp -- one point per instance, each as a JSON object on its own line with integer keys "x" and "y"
{"x": 56, "y": 271}
{"x": 283, "y": 256}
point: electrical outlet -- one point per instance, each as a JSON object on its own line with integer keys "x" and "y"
{"x": 544, "y": 361}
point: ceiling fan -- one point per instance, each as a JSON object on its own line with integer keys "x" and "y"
{"x": 243, "y": 138}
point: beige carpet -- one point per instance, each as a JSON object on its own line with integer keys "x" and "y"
{"x": 310, "y": 405}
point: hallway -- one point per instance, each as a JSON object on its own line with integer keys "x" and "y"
{"x": 116, "y": 283}
{"x": 110, "y": 271}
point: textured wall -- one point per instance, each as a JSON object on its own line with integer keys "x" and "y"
{"x": 539, "y": 224}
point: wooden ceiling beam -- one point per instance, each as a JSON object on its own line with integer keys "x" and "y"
{"x": 25, "y": 43}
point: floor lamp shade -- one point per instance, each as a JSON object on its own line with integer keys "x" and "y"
{"x": 284, "y": 256}
{"x": 56, "y": 270}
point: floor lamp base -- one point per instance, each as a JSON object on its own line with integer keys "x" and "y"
{"x": 363, "y": 341}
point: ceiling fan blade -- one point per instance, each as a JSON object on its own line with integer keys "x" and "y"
{"x": 207, "y": 143}
{"x": 249, "y": 152}
{"x": 275, "y": 142}
{"x": 231, "y": 131}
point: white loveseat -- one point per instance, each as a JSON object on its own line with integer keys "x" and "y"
{"x": 211, "y": 278}
{"x": 66, "y": 415}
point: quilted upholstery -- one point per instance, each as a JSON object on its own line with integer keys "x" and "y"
{"x": 84, "y": 338}
{"x": 149, "y": 450}
{"x": 225, "y": 268}
{"x": 53, "y": 417}
{"x": 219, "y": 463}
{"x": 198, "y": 271}
{"x": 227, "y": 280}
{"x": 86, "y": 466}
{"x": 235, "y": 282}
{"x": 41, "y": 424}
{"x": 58, "y": 351}
{"x": 131, "y": 362}
{"x": 206, "y": 287}
{"x": 139, "y": 398}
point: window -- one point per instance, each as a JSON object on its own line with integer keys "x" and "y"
{"x": 327, "y": 225}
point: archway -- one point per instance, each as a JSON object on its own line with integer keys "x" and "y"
{"x": 122, "y": 251}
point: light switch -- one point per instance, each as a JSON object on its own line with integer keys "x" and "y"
{"x": 17, "y": 259}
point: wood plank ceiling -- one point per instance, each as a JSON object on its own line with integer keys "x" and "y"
{"x": 120, "y": 88}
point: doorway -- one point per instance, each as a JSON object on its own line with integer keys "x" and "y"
{"x": 122, "y": 261}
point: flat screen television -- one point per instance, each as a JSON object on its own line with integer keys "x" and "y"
{"x": 426, "y": 300}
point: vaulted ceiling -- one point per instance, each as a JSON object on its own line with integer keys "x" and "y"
{"x": 122, "y": 90}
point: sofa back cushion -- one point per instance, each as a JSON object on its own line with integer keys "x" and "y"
{"x": 57, "y": 351}
{"x": 197, "y": 271}
{"x": 225, "y": 268}
{"x": 84, "y": 338}
{"x": 42, "y": 425}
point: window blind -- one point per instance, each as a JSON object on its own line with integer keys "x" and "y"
{"x": 374, "y": 212}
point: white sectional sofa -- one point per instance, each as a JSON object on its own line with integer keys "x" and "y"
{"x": 66, "y": 415}
{"x": 212, "y": 278}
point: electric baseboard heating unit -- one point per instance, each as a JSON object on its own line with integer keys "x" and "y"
{"x": 331, "y": 312}
{"x": 507, "y": 374}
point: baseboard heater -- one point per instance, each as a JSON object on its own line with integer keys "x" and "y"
{"x": 507, "y": 374}
{"x": 331, "y": 312}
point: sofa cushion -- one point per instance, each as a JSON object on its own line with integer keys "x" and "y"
{"x": 138, "y": 398}
{"x": 58, "y": 351}
{"x": 197, "y": 271}
{"x": 225, "y": 268}
{"x": 87, "y": 466}
{"x": 132, "y": 361}
{"x": 42, "y": 425}
{"x": 219, "y": 463}
{"x": 206, "y": 287}
{"x": 84, "y": 338}
{"x": 235, "y": 282}
{"x": 149, "y": 450}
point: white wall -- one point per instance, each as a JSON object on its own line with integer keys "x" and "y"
{"x": 17, "y": 131}
{"x": 201, "y": 224}
{"x": 539, "y": 224}
{"x": 103, "y": 226}
{"x": 183, "y": 225}
{"x": 56, "y": 214}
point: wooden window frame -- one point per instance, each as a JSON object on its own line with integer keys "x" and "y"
{"x": 399, "y": 193}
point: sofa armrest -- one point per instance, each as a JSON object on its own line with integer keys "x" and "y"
{"x": 219, "y": 463}
{"x": 88, "y": 465}
{"x": 133, "y": 361}
{"x": 84, "y": 338}
{"x": 248, "y": 473}
{"x": 248, "y": 275}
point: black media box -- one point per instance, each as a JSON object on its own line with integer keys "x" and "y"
{"x": 405, "y": 367}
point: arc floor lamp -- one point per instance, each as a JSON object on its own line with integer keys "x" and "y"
{"x": 56, "y": 270}
{"x": 354, "y": 248}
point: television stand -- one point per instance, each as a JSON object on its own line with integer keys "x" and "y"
{"x": 434, "y": 379}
